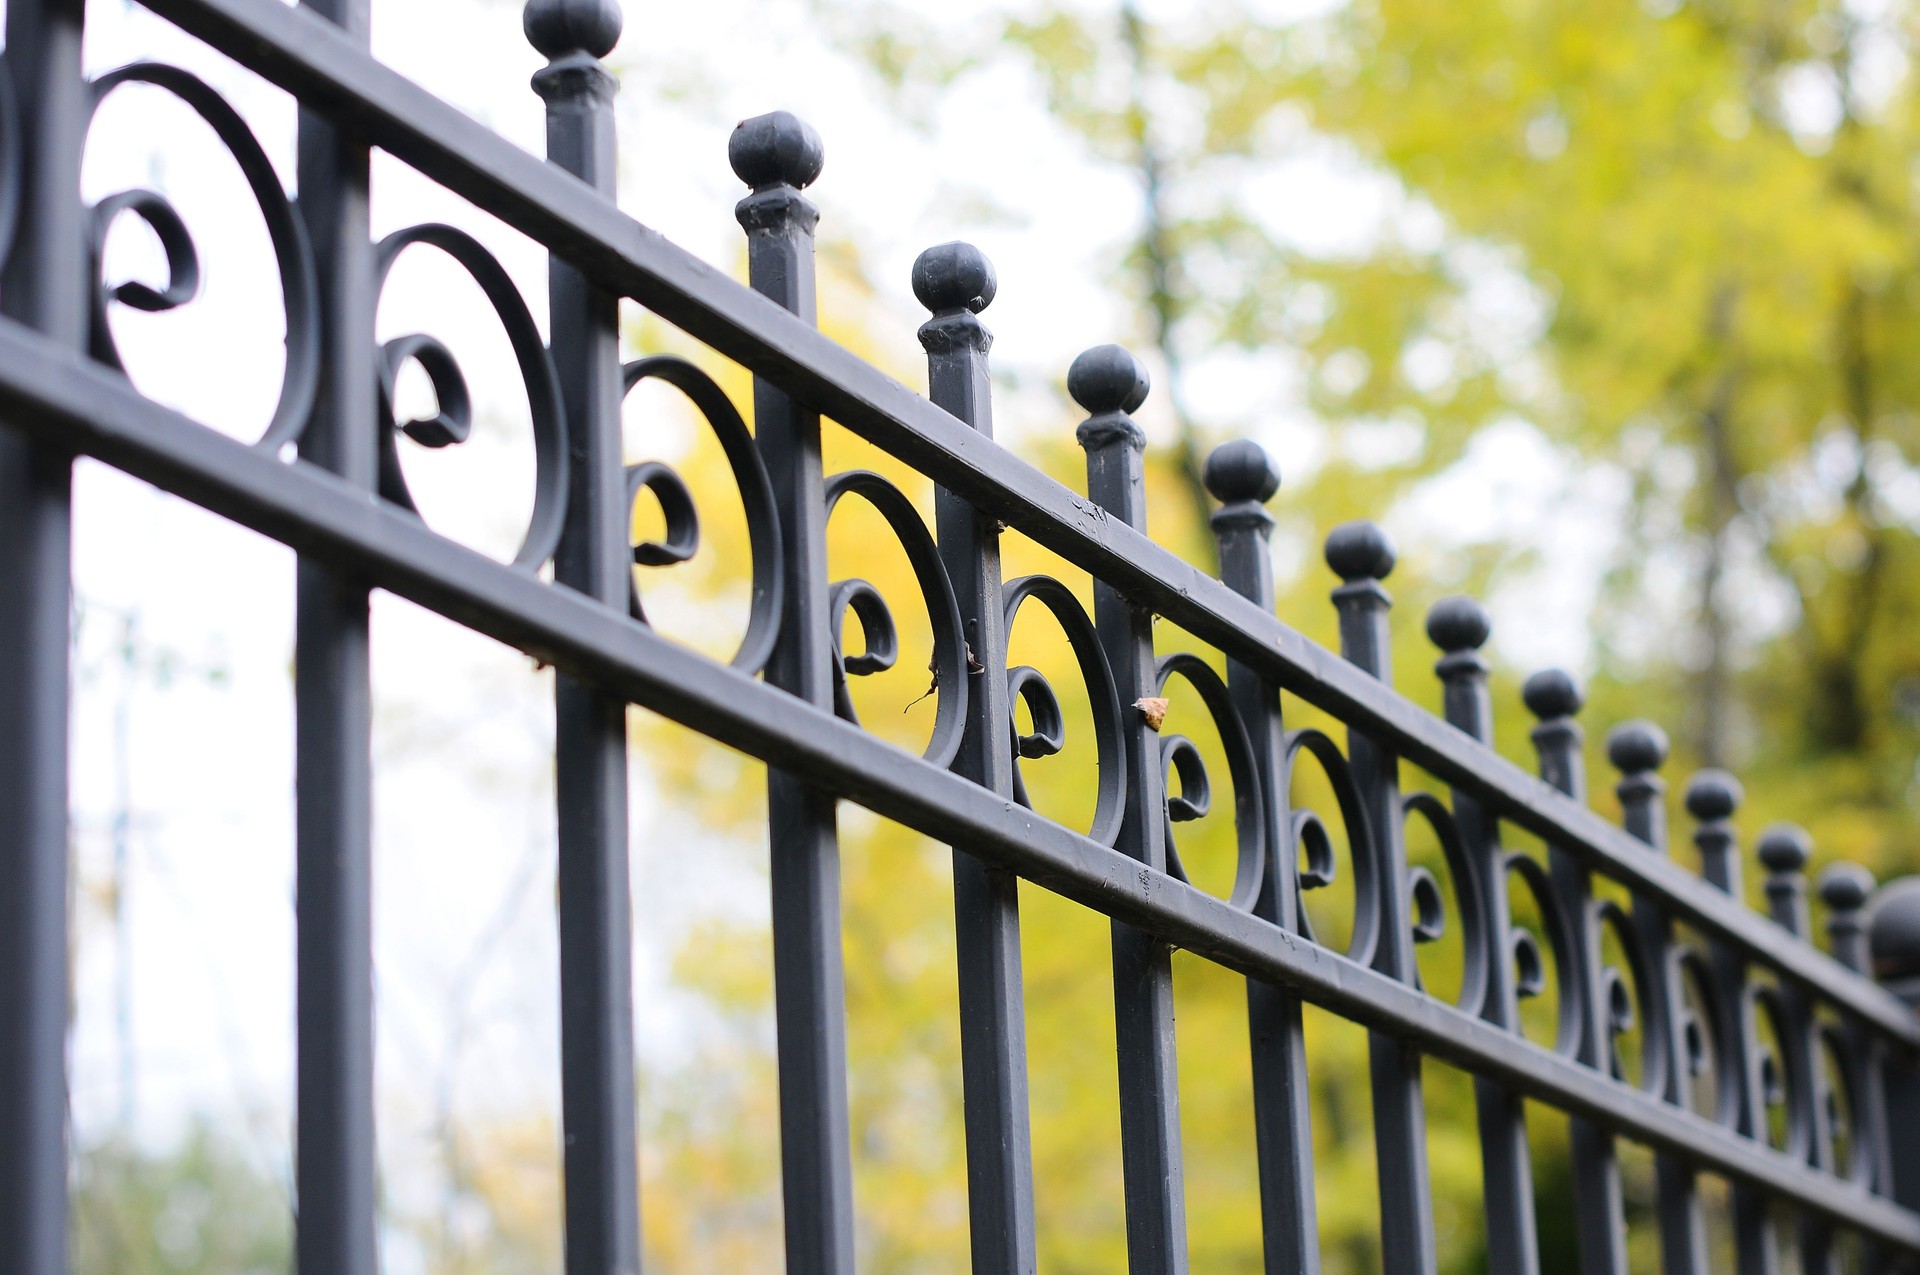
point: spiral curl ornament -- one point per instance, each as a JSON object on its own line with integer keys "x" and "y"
{"x": 682, "y": 538}
{"x": 293, "y": 255}
{"x": 1837, "y": 1085}
{"x": 452, "y": 420}
{"x": 1311, "y": 839}
{"x": 1778, "y": 1076}
{"x": 1705, "y": 1045}
{"x": 1621, "y": 991}
{"x": 1523, "y": 949}
{"x": 1429, "y": 909}
{"x": 880, "y": 638}
{"x": 1029, "y": 685}
{"x": 1179, "y": 757}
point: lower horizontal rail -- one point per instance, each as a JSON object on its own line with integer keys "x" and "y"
{"x": 59, "y": 397}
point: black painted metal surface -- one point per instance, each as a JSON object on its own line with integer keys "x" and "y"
{"x": 1699, "y": 975}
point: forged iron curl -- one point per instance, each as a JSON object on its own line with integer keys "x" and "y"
{"x": 1049, "y": 734}
{"x": 682, "y": 538}
{"x": 1310, "y": 837}
{"x": 1524, "y": 951}
{"x": 293, "y": 255}
{"x": 1180, "y": 757}
{"x": 1706, "y": 1045}
{"x": 881, "y": 643}
{"x": 1777, "y": 1072}
{"x": 1618, "y": 1003}
{"x": 1429, "y": 912}
{"x": 452, "y": 421}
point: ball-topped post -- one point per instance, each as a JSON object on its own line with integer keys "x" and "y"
{"x": 1845, "y": 888}
{"x": 558, "y": 28}
{"x": 1712, "y": 797}
{"x": 956, "y": 282}
{"x": 1243, "y": 478}
{"x": 1460, "y": 626}
{"x": 1107, "y": 379}
{"x": 1893, "y": 938}
{"x": 776, "y": 149}
{"x": 1240, "y": 472}
{"x": 1360, "y": 551}
{"x": 1361, "y": 554}
{"x": 1783, "y": 850}
{"x": 952, "y": 277}
{"x": 1637, "y": 750}
{"x": 1110, "y": 384}
{"x": 1555, "y": 699}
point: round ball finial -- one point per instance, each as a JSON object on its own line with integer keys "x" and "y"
{"x": 1713, "y": 794}
{"x": 1784, "y": 847}
{"x": 1893, "y": 933}
{"x": 1458, "y": 623}
{"x": 774, "y": 148}
{"x": 1241, "y": 470}
{"x": 1108, "y": 378}
{"x": 560, "y": 27}
{"x": 1845, "y": 887}
{"x": 1551, "y": 693}
{"x": 954, "y": 276}
{"x": 1636, "y": 746}
{"x": 1360, "y": 551}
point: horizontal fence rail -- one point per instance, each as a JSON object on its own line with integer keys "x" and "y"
{"x": 1702, "y": 969}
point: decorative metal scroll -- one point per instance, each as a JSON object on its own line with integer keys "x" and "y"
{"x": 682, "y": 538}
{"x": 452, "y": 421}
{"x": 292, "y": 255}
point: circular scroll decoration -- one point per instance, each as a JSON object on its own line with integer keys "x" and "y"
{"x": 1524, "y": 951}
{"x": 1704, "y": 1051}
{"x": 1049, "y": 734}
{"x": 1180, "y": 757}
{"x": 1314, "y": 843}
{"x": 1834, "y": 1092}
{"x": 682, "y": 539}
{"x": 1621, "y": 992}
{"x": 292, "y": 254}
{"x": 880, "y": 638}
{"x": 452, "y": 421}
{"x": 1427, "y": 905}
{"x": 1785, "y": 1092}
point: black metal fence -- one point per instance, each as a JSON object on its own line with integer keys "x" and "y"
{"x": 1814, "y": 1093}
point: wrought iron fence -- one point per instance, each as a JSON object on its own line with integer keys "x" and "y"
{"x": 1815, "y": 1089}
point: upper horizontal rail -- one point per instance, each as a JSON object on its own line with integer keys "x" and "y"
{"x": 66, "y": 400}
{"x": 311, "y": 60}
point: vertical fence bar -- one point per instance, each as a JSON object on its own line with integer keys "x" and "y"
{"x": 1361, "y": 555}
{"x": 590, "y": 727}
{"x": 1784, "y": 850}
{"x": 1600, "y": 1219}
{"x": 778, "y": 155}
{"x": 956, "y": 281}
{"x": 1637, "y": 750}
{"x": 1712, "y": 798}
{"x": 1110, "y": 383}
{"x": 45, "y": 287}
{"x": 1242, "y": 478}
{"x": 1459, "y": 627}
{"x": 1845, "y": 889}
{"x": 335, "y": 1164}
{"x": 1893, "y": 945}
